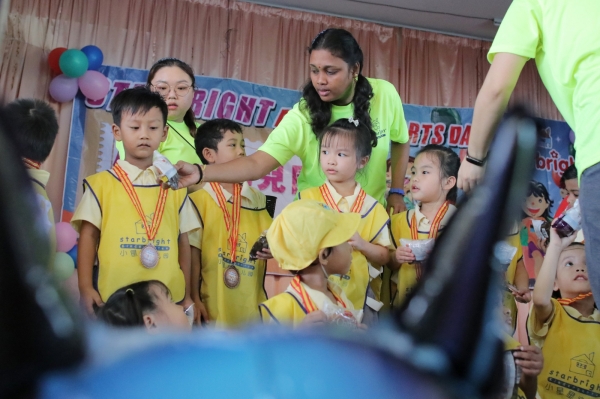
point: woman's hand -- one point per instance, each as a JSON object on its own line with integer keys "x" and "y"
{"x": 189, "y": 174}
{"x": 396, "y": 203}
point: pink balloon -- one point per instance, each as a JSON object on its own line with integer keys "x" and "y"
{"x": 94, "y": 85}
{"x": 66, "y": 237}
{"x": 63, "y": 89}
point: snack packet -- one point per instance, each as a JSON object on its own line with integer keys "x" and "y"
{"x": 504, "y": 253}
{"x": 166, "y": 169}
{"x": 341, "y": 316}
{"x": 260, "y": 244}
{"x": 421, "y": 248}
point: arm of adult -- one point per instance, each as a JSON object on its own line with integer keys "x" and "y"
{"x": 489, "y": 107}
{"x": 399, "y": 158}
{"x": 89, "y": 235}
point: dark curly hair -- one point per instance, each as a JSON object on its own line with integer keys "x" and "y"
{"x": 340, "y": 43}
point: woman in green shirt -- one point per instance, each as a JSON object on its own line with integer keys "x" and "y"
{"x": 336, "y": 89}
{"x": 173, "y": 79}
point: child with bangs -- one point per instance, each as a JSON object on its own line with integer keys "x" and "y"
{"x": 345, "y": 149}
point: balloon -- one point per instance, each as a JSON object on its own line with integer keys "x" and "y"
{"x": 73, "y": 63}
{"x": 53, "y": 58}
{"x": 94, "y": 85}
{"x": 63, "y": 88}
{"x": 63, "y": 266}
{"x": 66, "y": 237}
{"x": 572, "y": 136}
{"x": 73, "y": 254}
{"x": 94, "y": 56}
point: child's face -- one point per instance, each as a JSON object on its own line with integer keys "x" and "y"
{"x": 175, "y": 86}
{"x": 231, "y": 147}
{"x": 426, "y": 183}
{"x": 338, "y": 159}
{"x": 340, "y": 259}
{"x": 167, "y": 315}
{"x": 572, "y": 188}
{"x": 571, "y": 275}
{"x": 141, "y": 134}
{"x": 535, "y": 206}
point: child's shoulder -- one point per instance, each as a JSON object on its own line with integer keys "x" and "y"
{"x": 401, "y": 216}
{"x": 101, "y": 176}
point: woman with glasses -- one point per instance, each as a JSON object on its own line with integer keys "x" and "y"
{"x": 173, "y": 79}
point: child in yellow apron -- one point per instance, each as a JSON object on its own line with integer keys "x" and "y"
{"x": 345, "y": 150}
{"x": 311, "y": 240}
{"x": 567, "y": 329}
{"x": 433, "y": 187}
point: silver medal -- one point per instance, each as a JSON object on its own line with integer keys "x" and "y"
{"x": 149, "y": 256}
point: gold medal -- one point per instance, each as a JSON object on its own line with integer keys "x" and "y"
{"x": 231, "y": 277}
{"x": 149, "y": 256}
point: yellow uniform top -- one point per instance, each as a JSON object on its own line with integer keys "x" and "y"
{"x": 374, "y": 229}
{"x": 106, "y": 205}
{"x": 405, "y": 278}
{"x": 230, "y": 307}
{"x": 287, "y": 308}
{"x": 570, "y": 344}
{"x": 39, "y": 179}
{"x": 511, "y": 344}
{"x": 510, "y": 305}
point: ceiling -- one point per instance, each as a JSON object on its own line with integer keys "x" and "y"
{"x": 469, "y": 18}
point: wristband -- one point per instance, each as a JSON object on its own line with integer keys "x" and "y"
{"x": 398, "y": 191}
{"x": 201, "y": 171}
{"x": 475, "y": 161}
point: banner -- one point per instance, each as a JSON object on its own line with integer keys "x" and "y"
{"x": 259, "y": 109}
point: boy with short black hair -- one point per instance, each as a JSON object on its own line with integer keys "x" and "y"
{"x": 227, "y": 285}
{"x": 36, "y": 128}
{"x": 566, "y": 329}
{"x": 136, "y": 228}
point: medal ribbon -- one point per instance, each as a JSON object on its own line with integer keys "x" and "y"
{"x": 309, "y": 305}
{"x": 568, "y": 301}
{"x": 356, "y": 207}
{"x": 160, "y": 205}
{"x": 232, "y": 223}
{"x": 31, "y": 164}
{"x": 433, "y": 230}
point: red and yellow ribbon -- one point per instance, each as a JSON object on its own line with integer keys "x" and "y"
{"x": 356, "y": 207}
{"x": 307, "y": 302}
{"x": 569, "y": 301}
{"x": 232, "y": 222}
{"x": 433, "y": 231}
{"x": 158, "y": 211}
{"x": 31, "y": 164}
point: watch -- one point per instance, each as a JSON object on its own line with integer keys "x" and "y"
{"x": 397, "y": 191}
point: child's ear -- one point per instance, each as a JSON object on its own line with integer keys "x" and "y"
{"x": 450, "y": 182}
{"x": 324, "y": 255}
{"x": 149, "y": 322}
{"x": 555, "y": 288}
{"x": 363, "y": 162}
{"x": 209, "y": 154}
{"x": 116, "y": 130}
{"x": 165, "y": 133}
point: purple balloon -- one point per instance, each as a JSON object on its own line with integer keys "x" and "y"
{"x": 572, "y": 137}
{"x": 94, "y": 85}
{"x": 63, "y": 88}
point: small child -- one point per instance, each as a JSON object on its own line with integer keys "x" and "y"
{"x": 36, "y": 126}
{"x": 433, "y": 186}
{"x": 311, "y": 240}
{"x": 567, "y": 329}
{"x": 571, "y": 184}
{"x": 145, "y": 303}
{"x": 136, "y": 228}
{"x": 345, "y": 151}
{"x": 233, "y": 217}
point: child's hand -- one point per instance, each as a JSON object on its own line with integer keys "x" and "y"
{"x": 316, "y": 318}
{"x": 404, "y": 255}
{"x": 264, "y": 253}
{"x": 201, "y": 312}
{"x": 530, "y": 359}
{"x": 523, "y": 296}
{"x": 561, "y": 243}
{"x": 88, "y": 298}
{"x": 357, "y": 242}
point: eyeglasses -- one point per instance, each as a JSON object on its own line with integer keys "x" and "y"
{"x": 181, "y": 90}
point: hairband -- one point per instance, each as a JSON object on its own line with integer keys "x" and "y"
{"x": 352, "y": 120}
{"x": 128, "y": 290}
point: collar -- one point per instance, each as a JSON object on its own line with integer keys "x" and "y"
{"x": 134, "y": 173}
{"x": 40, "y": 175}
{"x": 422, "y": 219}
{"x": 595, "y": 316}
{"x": 246, "y": 192}
{"x": 320, "y": 298}
{"x": 337, "y": 197}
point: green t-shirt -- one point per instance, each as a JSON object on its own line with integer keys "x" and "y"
{"x": 294, "y": 136}
{"x": 564, "y": 38}
{"x": 179, "y": 145}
